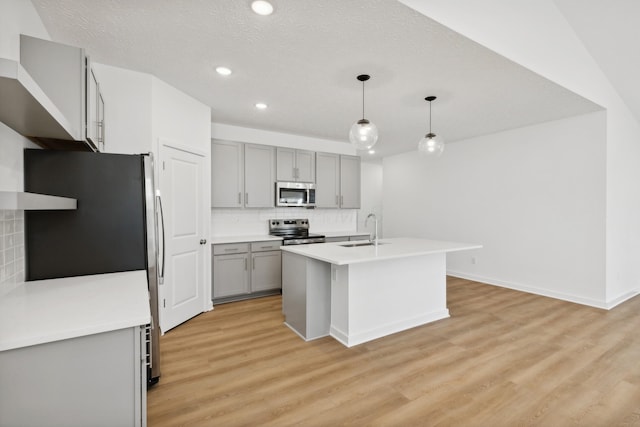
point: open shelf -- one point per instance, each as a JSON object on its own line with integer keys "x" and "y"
{"x": 17, "y": 200}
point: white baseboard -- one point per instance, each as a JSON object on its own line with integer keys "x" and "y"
{"x": 388, "y": 329}
{"x": 544, "y": 292}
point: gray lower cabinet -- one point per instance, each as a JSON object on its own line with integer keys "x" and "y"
{"x": 95, "y": 380}
{"x": 246, "y": 270}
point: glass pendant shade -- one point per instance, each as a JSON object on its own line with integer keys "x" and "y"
{"x": 431, "y": 144}
{"x": 363, "y": 134}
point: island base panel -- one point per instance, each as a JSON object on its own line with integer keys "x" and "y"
{"x": 372, "y": 300}
{"x": 306, "y": 295}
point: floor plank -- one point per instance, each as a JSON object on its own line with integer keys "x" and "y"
{"x": 503, "y": 358}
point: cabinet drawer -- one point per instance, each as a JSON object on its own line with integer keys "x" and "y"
{"x": 273, "y": 245}
{"x": 231, "y": 248}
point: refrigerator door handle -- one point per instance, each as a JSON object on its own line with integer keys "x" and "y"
{"x": 161, "y": 212}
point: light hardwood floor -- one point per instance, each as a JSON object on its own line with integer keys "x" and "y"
{"x": 504, "y": 358}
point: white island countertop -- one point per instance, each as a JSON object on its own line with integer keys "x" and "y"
{"x": 43, "y": 311}
{"x": 401, "y": 247}
{"x": 221, "y": 240}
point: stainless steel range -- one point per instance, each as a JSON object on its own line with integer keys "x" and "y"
{"x": 293, "y": 231}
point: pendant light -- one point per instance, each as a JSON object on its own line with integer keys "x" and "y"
{"x": 363, "y": 133}
{"x": 431, "y": 144}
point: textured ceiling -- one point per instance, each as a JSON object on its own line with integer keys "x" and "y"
{"x": 609, "y": 31}
{"x": 303, "y": 61}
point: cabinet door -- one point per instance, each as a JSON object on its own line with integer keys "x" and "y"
{"x": 305, "y": 169}
{"x": 285, "y": 164}
{"x": 327, "y": 180}
{"x": 227, "y": 174}
{"x": 259, "y": 180}
{"x": 350, "y": 182}
{"x": 92, "y": 123}
{"x": 266, "y": 272}
{"x": 101, "y": 123}
{"x": 83, "y": 381}
{"x": 230, "y": 275}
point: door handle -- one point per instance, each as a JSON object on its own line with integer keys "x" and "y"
{"x": 203, "y": 241}
{"x": 164, "y": 250}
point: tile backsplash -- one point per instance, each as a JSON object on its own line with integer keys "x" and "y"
{"x": 12, "y": 268}
{"x": 234, "y": 222}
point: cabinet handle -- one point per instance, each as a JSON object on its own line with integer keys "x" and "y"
{"x": 337, "y": 202}
{"x": 341, "y": 200}
{"x": 230, "y": 250}
{"x": 296, "y": 173}
{"x": 246, "y": 198}
{"x": 239, "y": 198}
{"x": 265, "y": 247}
{"x": 253, "y": 263}
{"x": 245, "y": 264}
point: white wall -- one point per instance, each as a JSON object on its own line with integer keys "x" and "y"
{"x": 128, "y": 105}
{"x": 16, "y": 17}
{"x": 371, "y": 178}
{"x": 534, "y": 197}
{"x": 180, "y": 118}
{"x": 557, "y": 54}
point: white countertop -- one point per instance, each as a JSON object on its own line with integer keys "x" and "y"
{"x": 43, "y": 311}
{"x": 341, "y": 233}
{"x": 218, "y": 240}
{"x": 336, "y": 253}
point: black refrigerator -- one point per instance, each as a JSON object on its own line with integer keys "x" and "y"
{"x": 116, "y": 227}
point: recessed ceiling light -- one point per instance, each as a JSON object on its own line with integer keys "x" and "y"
{"x": 261, "y": 105}
{"x": 372, "y": 151}
{"x": 262, "y": 7}
{"x": 223, "y": 71}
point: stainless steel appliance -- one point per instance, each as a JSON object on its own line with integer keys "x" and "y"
{"x": 293, "y": 231}
{"x": 297, "y": 194}
{"x": 115, "y": 227}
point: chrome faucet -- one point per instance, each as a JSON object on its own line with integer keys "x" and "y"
{"x": 373, "y": 239}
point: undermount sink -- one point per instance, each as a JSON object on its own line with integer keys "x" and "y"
{"x": 354, "y": 245}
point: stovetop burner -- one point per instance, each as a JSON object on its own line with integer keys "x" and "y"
{"x": 293, "y": 231}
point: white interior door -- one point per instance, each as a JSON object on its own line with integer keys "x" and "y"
{"x": 182, "y": 293}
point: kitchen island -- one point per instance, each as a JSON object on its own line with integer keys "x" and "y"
{"x": 357, "y": 292}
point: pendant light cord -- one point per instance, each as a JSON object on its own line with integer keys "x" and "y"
{"x": 429, "y": 116}
{"x": 363, "y": 100}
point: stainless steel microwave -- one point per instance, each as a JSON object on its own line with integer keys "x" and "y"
{"x": 298, "y": 194}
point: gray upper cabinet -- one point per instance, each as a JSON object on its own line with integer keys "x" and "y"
{"x": 295, "y": 165}
{"x": 337, "y": 181}
{"x": 64, "y": 74}
{"x": 227, "y": 174}
{"x": 242, "y": 175}
{"x": 259, "y": 177}
{"x": 95, "y": 111}
{"x": 327, "y": 180}
{"x": 350, "y": 182}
